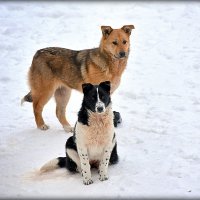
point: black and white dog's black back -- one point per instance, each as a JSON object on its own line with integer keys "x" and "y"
{"x": 94, "y": 142}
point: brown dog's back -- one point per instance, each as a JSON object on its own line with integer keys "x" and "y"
{"x": 57, "y": 70}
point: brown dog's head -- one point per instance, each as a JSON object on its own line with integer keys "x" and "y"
{"x": 116, "y": 42}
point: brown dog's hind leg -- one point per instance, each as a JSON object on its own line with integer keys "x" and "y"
{"x": 39, "y": 101}
{"x": 62, "y": 96}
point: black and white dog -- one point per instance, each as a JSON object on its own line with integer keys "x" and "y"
{"x": 93, "y": 143}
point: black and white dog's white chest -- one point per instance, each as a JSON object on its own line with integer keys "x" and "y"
{"x": 97, "y": 135}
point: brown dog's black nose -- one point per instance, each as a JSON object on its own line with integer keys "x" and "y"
{"x": 122, "y": 54}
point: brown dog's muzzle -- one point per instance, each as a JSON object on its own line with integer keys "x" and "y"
{"x": 121, "y": 55}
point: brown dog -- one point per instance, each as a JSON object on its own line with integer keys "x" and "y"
{"x": 57, "y": 71}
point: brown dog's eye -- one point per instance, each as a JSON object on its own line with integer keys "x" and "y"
{"x": 115, "y": 42}
{"x": 124, "y": 41}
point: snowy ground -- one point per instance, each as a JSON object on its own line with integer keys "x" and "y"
{"x": 159, "y": 99}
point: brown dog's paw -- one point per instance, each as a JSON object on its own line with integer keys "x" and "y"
{"x": 68, "y": 129}
{"x": 44, "y": 127}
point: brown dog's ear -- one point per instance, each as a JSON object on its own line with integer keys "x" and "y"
{"x": 106, "y": 30}
{"x": 127, "y": 28}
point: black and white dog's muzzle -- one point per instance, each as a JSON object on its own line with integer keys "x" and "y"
{"x": 100, "y": 107}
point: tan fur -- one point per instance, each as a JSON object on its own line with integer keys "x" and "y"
{"x": 57, "y": 71}
{"x": 99, "y": 131}
{"x": 97, "y": 135}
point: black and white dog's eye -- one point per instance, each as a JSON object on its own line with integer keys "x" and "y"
{"x": 93, "y": 98}
{"x": 103, "y": 97}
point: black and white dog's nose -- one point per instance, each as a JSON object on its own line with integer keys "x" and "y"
{"x": 99, "y": 109}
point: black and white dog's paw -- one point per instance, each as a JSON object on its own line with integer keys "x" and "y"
{"x": 117, "y": 118}
{"x": 87, "y": 181}
{"x": 103, "y": 177}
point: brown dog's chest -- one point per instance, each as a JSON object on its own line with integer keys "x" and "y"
{"x": 111, "y": 72}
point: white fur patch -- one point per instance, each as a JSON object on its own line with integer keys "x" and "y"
{"x": 68, "y": 129}
{"x": 75, "y": 157}
{"x": 49, "y": 166}
{"x": 22, "y": 101}
{"x": 99, "y": 103}
{"x": 95, "y": 152}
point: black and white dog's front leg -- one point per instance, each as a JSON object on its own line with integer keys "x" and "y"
{"x": 103, "y": 166}
{"x": 85, "y": 166}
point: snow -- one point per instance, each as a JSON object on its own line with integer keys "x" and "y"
{"x": 159, "y": 99}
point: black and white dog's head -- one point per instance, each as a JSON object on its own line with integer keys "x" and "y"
{"x": 96, "y": 97}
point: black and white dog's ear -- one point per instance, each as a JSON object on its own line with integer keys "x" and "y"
{"x": 105, "y": 86}
{"x": 86, "y": 87}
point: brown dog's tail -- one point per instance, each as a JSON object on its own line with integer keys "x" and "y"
{"x": 27, "y": 98}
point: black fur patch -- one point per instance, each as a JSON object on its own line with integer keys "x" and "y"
{"x": 104, "y": 93}
{"x": 105, "y": 86}
{"x": 83, "y": 115}
{"x": 117, "y": 118}
{"x": 113, "y": 137}
{"x": 61, "y": 162}
{"x": 74, "y": 58}
{"x": 28, "y": 97}
{"x": 90, "y": 97}
{"x": 70, "y": 144}
{"x": 70, "y": 164}
{"x": 114, "y": 158}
